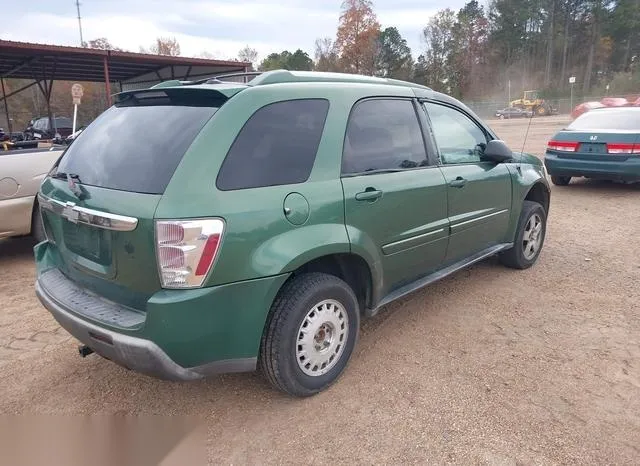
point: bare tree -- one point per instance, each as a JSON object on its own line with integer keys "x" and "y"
{"x": 163, "y": 46}
{"x": 248, "y": 55}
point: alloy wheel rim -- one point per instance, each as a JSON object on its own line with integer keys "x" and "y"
{"x": 532, "y": 237}
{"x": 322, "y": 337}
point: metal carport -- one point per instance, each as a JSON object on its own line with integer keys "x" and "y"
{"x": 47, "y": 63}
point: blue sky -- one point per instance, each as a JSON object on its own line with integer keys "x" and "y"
{"x": 219, "y": 27}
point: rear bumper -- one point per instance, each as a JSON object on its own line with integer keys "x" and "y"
{"x": 628, "y": 169}
{"x": 133, "y": 353}
{"x": 183, "y": 335}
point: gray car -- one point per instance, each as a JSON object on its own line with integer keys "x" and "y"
{"x": 513, "y": 112}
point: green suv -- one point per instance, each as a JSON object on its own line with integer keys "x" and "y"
{"x": 204, "y": 227}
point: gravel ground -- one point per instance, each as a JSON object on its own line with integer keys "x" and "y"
{"x": 490, "y": 366}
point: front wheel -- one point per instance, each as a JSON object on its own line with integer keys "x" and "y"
{"x": 541, "y": 111}
{"x": 532, "y": 228}
{"x": 561, "y": 180}
{"x": 310, "y": 334}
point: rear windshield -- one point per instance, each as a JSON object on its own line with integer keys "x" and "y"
{"x": 62, "y": 122}
{"x": 137, "y": 144}
{"x": 621, "y": 119}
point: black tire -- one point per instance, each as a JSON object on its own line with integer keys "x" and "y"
{"x": 517, "y": 257}
{"x": 281, "y": 337}
{"x": 561, "y": 180}
{"x": 37, "y": 228}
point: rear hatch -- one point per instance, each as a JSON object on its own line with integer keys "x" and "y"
{"x": 99, "y": 201}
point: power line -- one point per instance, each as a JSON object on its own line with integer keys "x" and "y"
{"x": 79, "y": 22}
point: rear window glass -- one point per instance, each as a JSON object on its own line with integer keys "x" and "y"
{"x": 622, "y": 119}
{"x": 276, "y": 146}
{"x": 137, "y": 144}
{"x": 63, "y": 122}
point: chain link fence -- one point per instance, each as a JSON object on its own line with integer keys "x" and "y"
{"x": 487, "y": 109}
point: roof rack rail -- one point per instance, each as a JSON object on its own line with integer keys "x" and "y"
{"x": 286, "y": 76}
{"x": 217, "y": 78}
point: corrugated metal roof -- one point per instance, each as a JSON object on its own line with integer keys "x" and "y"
{"x": 44, "y": 61}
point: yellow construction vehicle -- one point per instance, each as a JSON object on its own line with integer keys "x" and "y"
{"x": 531, "y": 101}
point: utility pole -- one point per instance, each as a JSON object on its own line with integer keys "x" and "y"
{"x": 79, "y": 23}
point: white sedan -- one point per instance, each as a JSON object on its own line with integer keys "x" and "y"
{"x": 21, "y": 172}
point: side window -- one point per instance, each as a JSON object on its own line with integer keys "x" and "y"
{"x": 459, "y": 139}
{"x": 383, "y": 134}
{"x": 276, "y": 146}
{"x": 40, "y": 124}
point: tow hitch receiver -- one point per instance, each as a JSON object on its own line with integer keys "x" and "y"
{"x": 84, "y": 350}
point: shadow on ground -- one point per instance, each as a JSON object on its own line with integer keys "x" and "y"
{"x": 16, "y": 248}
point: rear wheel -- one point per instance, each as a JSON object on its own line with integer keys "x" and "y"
{"x": 561, "y": 180}
{"x": 541, "y": 110}
{"x": 532, "y": 227}
{"x": 310, "y": 334}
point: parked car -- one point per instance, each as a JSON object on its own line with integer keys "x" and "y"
{"x": 585, "y": 107}
{"x": 69, "y": 139}
{"x": 21, "y": 172}
{"x": 513, "y": 112}
{"x": 216, "y": 227}
{"x": 602, "y": 143}
{"x": 39, "y": 128}
{"x": 614, "y": 102}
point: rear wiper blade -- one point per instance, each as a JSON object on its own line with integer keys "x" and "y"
{"x": 73, "y": 180}
{"x": 59, "y": 176}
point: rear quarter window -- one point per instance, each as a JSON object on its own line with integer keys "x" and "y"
{"x": 276, "y": 146}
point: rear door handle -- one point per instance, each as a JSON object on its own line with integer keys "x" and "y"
{"x": 369, "y": 194}
{"x": 459, "y": 182}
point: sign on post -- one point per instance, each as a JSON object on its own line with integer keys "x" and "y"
{"x": 572, "y": 80}
{"x": 76, "y": 94}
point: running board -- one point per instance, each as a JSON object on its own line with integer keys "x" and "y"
{"x": 439, "y": 275}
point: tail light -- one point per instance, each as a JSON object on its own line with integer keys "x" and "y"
{"x": 186, "y": 250}
{"x": 624, "y": 148}
{"x": 564, "y": 146}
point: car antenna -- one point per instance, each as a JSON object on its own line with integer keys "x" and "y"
{"x": 526, "y": 135}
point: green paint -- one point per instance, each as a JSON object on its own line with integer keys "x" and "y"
{"x": 419, "y": 225}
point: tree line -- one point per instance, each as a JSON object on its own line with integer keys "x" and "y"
{"x": 473, "y": 53}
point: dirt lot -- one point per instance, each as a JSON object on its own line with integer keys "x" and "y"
{"x": 490, "y": 366}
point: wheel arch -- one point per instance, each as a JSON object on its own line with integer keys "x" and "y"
{"x": 349, "y": 267}
{"x": 539, "y": 192}
{"x": 34, "y": 211}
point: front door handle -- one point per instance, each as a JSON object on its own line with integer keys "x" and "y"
{"x": 459, "y": 182}
{"x": 370, "y": 194}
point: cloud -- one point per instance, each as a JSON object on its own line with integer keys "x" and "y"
{"x": 129, "y": 33}
{"x": 220, "y": 27}
{"x": 406, "y": 19}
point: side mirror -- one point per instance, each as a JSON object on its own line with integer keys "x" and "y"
{"x": 497, "y": 151}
